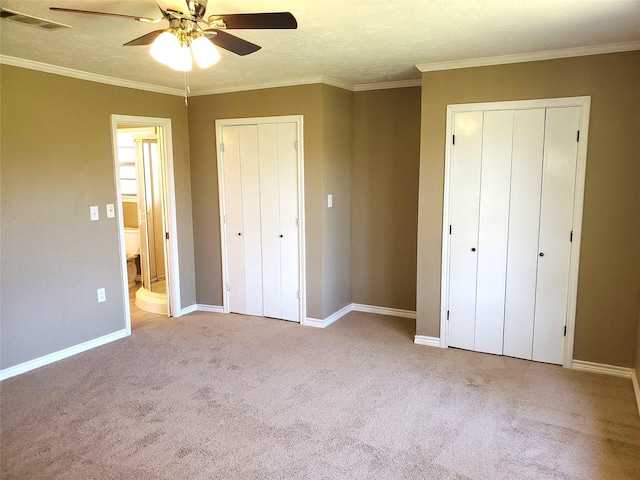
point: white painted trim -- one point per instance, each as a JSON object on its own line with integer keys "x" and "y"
{"x": 581, "y": 165}
{"x": 91, "y": 77}
{"x": 393, "y": 312}
{"x": 636, "y": 388}
{"x": 387, "y": 85}
{"x": 334, "y": 82}
{"x": 187, "y": 310}
{"x": 602, "y": 368}
{"x": 529, "y": 57}
{"x": 61, "y": 354}
{"x": 200, "y": 307}
{"x": 428, "y": 341}
{"x": 299, "y": 121}
{"x": 172, "y": 261}
{"x": 317, "y": 323}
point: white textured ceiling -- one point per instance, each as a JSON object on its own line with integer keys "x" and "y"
{"x": 356, "y": 42}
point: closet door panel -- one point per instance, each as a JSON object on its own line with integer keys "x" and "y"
{"x": 556, "y": 219}
{"x": 289, "y": 244}
{"x": 465, "y": 195}
{"x": 233, "y": 204}
{"x": 495, "y": 181}
{"x": 270, "y": 219}
{"x": 249, "y": 163}
{"x": 524, "y": 220}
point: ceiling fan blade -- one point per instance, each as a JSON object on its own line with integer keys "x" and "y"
{"x": 105, "y": 14}
{"x": 144, "y": 39}
{"x": 255, "y": 21}
{"x": 231, "y": 42}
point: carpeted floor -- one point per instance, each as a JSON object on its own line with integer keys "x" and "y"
{"x": 211, "y": 396}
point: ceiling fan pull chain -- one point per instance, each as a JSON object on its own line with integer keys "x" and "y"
{"x": 187, "y": 89}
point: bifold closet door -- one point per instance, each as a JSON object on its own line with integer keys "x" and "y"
{"x": 524, "y": 223}
{"x": 556, "y": 220}
{"x": 465, "y": 198}
{"x": 261, "y": 198}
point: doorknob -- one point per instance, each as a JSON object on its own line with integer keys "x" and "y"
{"x": 281, "y": 236}
{"x": 473, "y": 249}
{"x": 239, "y": 234}
{"x": 541, "y": 254}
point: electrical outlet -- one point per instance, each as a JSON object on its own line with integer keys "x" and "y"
{"x": 111, "y": 210}
{"x": 93, "y": 212}
{"x": 330, "y": 201}
{"x": 102, "y": 295}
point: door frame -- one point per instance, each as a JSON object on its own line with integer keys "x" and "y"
{"x": 165, "y": 142}
{"x": 298, "y": 120}
{"x": 584, "y": 102}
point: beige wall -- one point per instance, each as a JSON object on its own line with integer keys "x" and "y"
{"x": 386, "y": 157}
{"x": 609, "y": 280}
{"x": 56, "y": 161}
{"x": 203, "y": 111}
{"x": 337, "y": 122}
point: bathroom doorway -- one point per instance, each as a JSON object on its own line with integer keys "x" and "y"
{"x": 143, "y": 174}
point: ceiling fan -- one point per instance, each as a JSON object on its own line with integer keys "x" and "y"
{"x": 185, "y": 36}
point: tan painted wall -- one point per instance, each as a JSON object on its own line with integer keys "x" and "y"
{"x": 57, "y": 160}
{"x": 609, "y": 280}
{"x": 337, "y": 120}
{"x": 386, "y": 157}
{"x": 203, "y": 111}
{"x": 130, "y": 214}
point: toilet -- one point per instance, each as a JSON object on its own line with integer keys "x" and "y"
{"x": 132, "y": 248}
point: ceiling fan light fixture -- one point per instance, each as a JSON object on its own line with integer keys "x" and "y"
{"x": 181, "y": 61}
{"x": 204, "y": 52}
{"x": 165, "y": 47}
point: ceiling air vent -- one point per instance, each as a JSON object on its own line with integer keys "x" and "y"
{"x": 32, "y": 21}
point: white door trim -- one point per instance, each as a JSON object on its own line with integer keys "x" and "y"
{"x": 578, "y": 203}
{"x": 173, "y": 268}
{"x": 298, "y": 120}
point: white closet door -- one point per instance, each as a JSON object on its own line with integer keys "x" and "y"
{"x": 234, "y": 227}
{"x": 270, "y": 218}
{"x": 250, "y": 165}
{"x": 556, "y": 219}
{"x": 524, "y": 220}
{"x": 465, "y": 195}
{"x": 289, "y": 245}
{"x": 495, "y": 181}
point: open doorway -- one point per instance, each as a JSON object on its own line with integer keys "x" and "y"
{"x": 146, "y": 203}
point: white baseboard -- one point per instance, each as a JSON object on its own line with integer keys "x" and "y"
{"x": 59, "y": 355}
{"x": 393, "y": 312}
{"x": 636, "y": 388}
{"x": 317, "y": 323}
{"x": 201, "y": 307}
{"x": 428, "y": 341}
{"x": 602, "y": 368}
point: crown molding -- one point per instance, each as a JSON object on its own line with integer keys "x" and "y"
{"x": 530, "y": 57}
{"x": 362, "y": 87}
{"x": 92, "y": 77}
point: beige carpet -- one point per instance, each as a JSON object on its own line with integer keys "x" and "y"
{"x": 212, "y": 396}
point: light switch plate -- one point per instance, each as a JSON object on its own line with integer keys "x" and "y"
{"x": 93, "y": 211}
{"x": 329, "y": 200}
{"x": 102, "y": 295}
{"x": 111, "y": 210}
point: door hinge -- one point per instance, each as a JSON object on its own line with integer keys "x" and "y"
{"x": 453, "y": 139}
{"x": 166, "y": 235}
{"x": 447, "y": 314}
{"x": 222, "y": 147}
{"x": 296, "y": 145}
{"x": 298, "y": 293}
{"x": 449, "y": 229}
{"x": 578, "y": 136}
{"x": 225, "y": 219}
{"x": 571, "y": 236}
{"x": 565, "y": 330}
{"x": 228, "y": 287}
